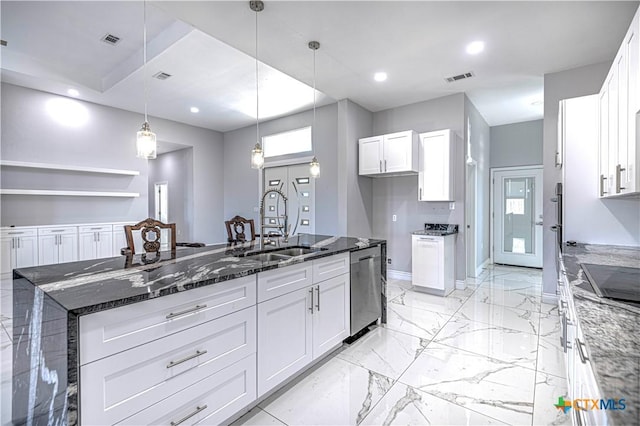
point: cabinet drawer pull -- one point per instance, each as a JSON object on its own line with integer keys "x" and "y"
{"x": 186, "y": 311}
{"x": 583, "y": 357}
{"x": 185, "y": 359}
{"x": 57, "y": 230}
{"x": 427, "y": 239}
{"x": 15, "y": 233}
{"x": 96, "y": 229}
{"x": 188, "y": 416}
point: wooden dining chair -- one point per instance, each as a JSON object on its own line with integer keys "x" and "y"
{"x": 236, "y": 229}
{"x": 151, "y": 233}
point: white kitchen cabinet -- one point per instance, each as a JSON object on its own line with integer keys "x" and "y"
{"x": 95, "y": 242}
{"x": 19, "y": 249}
{"x": 619, "y": 107}
{"x": 119, "y": 238}
{"x": 302, "y": 325}
{"x": 394, "y": 154}
{"x": 432, "y": 263}
{"x": 57, "y": 245}
{"x": 284, "y": 337}
{"x": 437, "y": 163}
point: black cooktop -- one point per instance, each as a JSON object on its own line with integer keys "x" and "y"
{"x": 614, "y": 282}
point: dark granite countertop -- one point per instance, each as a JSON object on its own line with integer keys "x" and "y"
{"x": 609, "y": 328}
{"x": 437, "y": 229}
{"x": 433, "y": 233}
{"x": 95, "y": 285}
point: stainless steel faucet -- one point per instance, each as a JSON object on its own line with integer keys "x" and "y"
{"x": 283, "y": 229}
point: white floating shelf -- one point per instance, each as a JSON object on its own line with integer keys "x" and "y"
{"x": 68, "y": 193}
{"x": 48, "y": 166}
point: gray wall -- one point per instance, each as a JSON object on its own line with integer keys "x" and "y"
{"x": 557, "y": 86}
{"x": 518, "y": 144}
{"x": 481, "y": 153}
{"x": 399, "y": 195}
{"x": 354, "y": 122}
{"x": 241, "y": 192}
{"x": 106, "y": 140}
{"x": 176, "y": 169}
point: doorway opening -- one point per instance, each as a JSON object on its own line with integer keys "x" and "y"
{"x": 161, "y": 191}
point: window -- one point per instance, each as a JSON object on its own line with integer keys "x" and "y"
{"x": 291, "y": 142}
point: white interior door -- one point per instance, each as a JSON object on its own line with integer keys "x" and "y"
{"x": 517, "y": 217}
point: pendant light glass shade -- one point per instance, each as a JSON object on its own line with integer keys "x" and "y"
{"x": 314, "y": 168}
{"x": 146, "y": 142}
{"x": 257, "y": 157}
{"x": 146, "y": 145}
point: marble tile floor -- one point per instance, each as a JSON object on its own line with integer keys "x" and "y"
{"x": 488, "y": 354}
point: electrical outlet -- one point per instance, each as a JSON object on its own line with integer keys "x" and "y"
{"x": 389, "y": 261}
{"x": 394, "y": 218}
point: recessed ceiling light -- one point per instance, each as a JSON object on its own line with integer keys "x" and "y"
{"x": 195, "y": 110}
{"x": 475, "y": 47}
{"x": 380, "y": 76}
{"x": 73, "y": 92}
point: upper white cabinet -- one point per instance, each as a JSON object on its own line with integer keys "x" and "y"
{"x": 436, "y": 177}
{"x": 619, "y": 108}
{"x": 394, "y": 154}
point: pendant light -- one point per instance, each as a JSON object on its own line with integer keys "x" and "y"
{"x": 314, "y": 166}
{"x": 257, "y": 155}
{"x": 145, "y": 138}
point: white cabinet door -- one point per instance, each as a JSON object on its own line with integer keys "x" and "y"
{"x": 632, "y": 52}
{"x": 612, "y": 89}
{"x": 284, "y": 338}
{"x": 104, "y": 245}
{"x": 398, "y": 152}
{"x": 370, "y": 155}
{"x": 119, "y": 240}
{"x": 48, "y": 249}
{"x": 87, "y": 246}
{"x": 604, "y": 183}
{"x": 26, "y": 252}
{"x": 68, "y": 248}
{"x": 331, "y": 319}
{"x": 6, "y": 255}
{"x": 427, "y": 262}
{"x": 435, "y": 178}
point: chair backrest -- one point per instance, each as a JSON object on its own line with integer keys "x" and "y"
{"x": 236, "y": 231}
{"x": 150, "y": 232}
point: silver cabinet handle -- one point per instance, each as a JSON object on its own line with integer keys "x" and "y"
{"x": 380, "y": 166}
{"x": 15, "y": 233}
{"x": 188, "y": 416}
{"x": 186, "y": 311}
{"x": 580, "y": 345}
{"x": 95, "y": 229}
{"x": 13, "y": 243}
{"x": 98, "y": 236}
{"x": 420, "y": 196}
{"x": 311, "y": 307}
{"x": 427, "y": 239}
{"x": 185, "y": 359}
{"x": 385, "y": 165}
{"x": 57, "y": 230}
{"x": 94, "y": 237}
{"x": 619, "y": 170}
{"x": 18, "y": 241}
{"x": 578, "y": 412}
{"x": 318, "y": 301}
{"x": 538, "y": 223}
{"x": 602, "y": 191}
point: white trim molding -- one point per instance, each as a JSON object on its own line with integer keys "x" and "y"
{"x": 461, "y": 284}
{"x": 482, "y": 266}
{"x": 393, "y": 274}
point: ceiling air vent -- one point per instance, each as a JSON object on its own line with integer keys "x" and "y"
{"x": 111, "y": 39}
{"x": 459, "y": 77}
{"x": 161, "y": 75}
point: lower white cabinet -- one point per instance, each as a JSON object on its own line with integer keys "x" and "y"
{"x": 57, "y": 245}
{"x": 300, "y": 326}
{"x": 95, "y": 242}
{"x": 18, "y": 249}
{"x": 432, "y": 263}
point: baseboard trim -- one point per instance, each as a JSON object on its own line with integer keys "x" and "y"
{"x": 461, "y": 284}
{"x": 482, "y": 266}
{"x": 549, "y": 298}
{"x": 398, "y": 275}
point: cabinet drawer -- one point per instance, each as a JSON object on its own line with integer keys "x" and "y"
{"x": 109, "y": 332}
{"x": 209, "y": 401}
{"x": 329, "y": 267}
{"x": 277, "y": 282}
{"x": 95, "y": 228}
{"x": 116, "y": 387}
{"x": 19, "y": 232}
{"x": 58, "y": 230}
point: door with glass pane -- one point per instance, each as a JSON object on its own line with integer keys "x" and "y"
{"x": 299, "y": 188}
{"x": 517, "y": 217}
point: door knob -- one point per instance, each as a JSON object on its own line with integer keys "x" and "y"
{"x": 539, "y": 223}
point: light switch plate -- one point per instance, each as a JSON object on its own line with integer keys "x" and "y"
{"x": 394, "y": 218}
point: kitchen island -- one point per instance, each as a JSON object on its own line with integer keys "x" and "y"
{"x": 99, "y": 326}
{"x": 608, "y": 334}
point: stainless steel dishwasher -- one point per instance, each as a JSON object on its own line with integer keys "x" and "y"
{"x": 366, "y": 288}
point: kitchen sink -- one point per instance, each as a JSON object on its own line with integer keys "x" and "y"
{"x": 295, "y": 251}
{"x": 268, "y": 257}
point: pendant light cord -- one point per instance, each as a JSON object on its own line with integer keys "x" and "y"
{"x": 144, "y": 58}
{"x": 257, "y": 91}
{"x": 314, "y": 99}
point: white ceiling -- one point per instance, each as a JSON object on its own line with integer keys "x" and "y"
{"x": 209, "y": 48}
